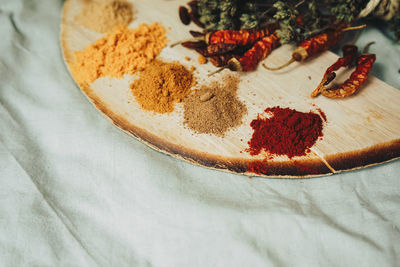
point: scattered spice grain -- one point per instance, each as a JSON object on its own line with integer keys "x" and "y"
{"x": 206, "y": 96}
{"x": 214, "y": 108}
{"x": 161, "y": 85}
{"x": 202, "y": 60}
{"x": 102, "y": 16}
{"x": 122, "y": 51}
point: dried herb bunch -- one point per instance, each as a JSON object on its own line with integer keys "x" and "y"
{"x": 230, "y": 14}
{"x": 299, "y": 19}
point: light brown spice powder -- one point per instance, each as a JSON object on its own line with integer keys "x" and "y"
{"x": 214, "y": 108}
{"x": 161, "y": 85}
{"x": 102, "y": 16}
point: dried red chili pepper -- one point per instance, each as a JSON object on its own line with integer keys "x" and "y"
{"x": 316, "y": 44}
{"x": 202, "y": 51}
{"x": 193, "y": 5}
{"x": 222, "y": 60}
{"x": 212, "y": 50}
{"x": 300, "y": 20}
{"x": 285, "y": 132}
{"x": 196, "y": 34}
{"x": 357, "y": 78}
{"x": 219, "y": 49}
{"x": 249, "y": 61}
{"x": 184, "y": 15}
{"x": 349, "y": 55}
{"x": 258, "y": 52}
{"x": 194, "y": 13}
{"x": 241, "y": 37}
{"x": 192, "y": 45}
{"x": 194, "y": 17}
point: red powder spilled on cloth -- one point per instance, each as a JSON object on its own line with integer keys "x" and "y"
{"x": 285, "y": 132}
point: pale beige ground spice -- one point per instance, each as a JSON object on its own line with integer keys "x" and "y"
{"x": 161, "y": 85}
{"x": 122, "y": 51}
{"x": 102, "y": 15}
{"x": 214, "y": 108}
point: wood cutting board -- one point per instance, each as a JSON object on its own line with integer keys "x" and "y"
{"x": 360, "y": 131}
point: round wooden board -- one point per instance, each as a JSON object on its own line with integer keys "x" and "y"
{"x": 360, "y": 131}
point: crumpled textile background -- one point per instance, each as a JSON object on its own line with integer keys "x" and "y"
{"x": 77, "y": 191}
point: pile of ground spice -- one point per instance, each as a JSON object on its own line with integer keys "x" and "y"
{"x": 161, "y": 85}
{"x": 122, "y": 51}
{"x": 102, "y": 16}
{"x": 284, "y": 131}
{"x": 214, "y": 108}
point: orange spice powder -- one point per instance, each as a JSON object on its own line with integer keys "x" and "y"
{"x": 161, "y": 85}
{"x": 122, "y": 51}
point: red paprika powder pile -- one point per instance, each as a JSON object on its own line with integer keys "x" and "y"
{"x": 285, "y": 132}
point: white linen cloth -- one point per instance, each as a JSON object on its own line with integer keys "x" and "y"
{"x": 77, "y": 191}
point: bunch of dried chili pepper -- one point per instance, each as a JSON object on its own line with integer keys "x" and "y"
{"x": 240, "y": 50}
{"x": 249, "y": 61}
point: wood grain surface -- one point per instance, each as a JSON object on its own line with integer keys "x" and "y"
{"x": 360, "y": 131}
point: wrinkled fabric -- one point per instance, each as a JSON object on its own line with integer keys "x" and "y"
{"x": 77, "y": 191}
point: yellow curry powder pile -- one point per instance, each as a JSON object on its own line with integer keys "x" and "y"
{"x": 161, "y": 85}
{"x": 122, "y": 51}
{"x": 102, "y": 16}
{"x": 214, "y": 108}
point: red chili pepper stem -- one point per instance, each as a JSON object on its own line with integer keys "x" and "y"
{"x": 194, "y": 39}
{"x": 299, "y": 54}
{"x": 366, "y": 47}
{"x": 280, "y": 67}
{"x": 354, "y": 28}
{"x": 233, "y": 65}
